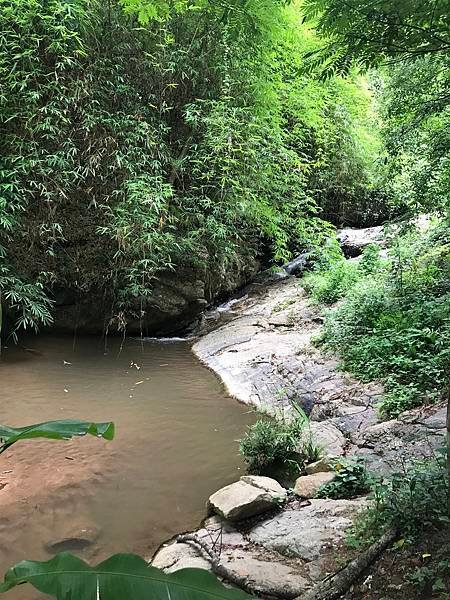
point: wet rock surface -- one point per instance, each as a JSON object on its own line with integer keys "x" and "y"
{"x": 266, "y": 358}
{"x": 177, "y": 300}
{"x": 353, "y": 241}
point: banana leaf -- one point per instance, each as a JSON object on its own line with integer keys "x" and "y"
{"x": 55, "y": 430}
{"x": 120, "y": 577}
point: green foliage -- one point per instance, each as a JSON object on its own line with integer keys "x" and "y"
{"x": 26, "y": 301}
{"x": 347, "y": 179}
{"x": 411, "y": 39}
{"x": 271, "y": 443}
{"x": 334, "y": 280}
{"x": 118, "y": 577}
{"x": 393, "y": 322}
{"x": 331, "y": 285}
{"x": 197, "y": 140}
{"x": 413, "y": 501}
{"x": 351, "y": 480}
{"x": 54, "y": 430}
{"x": 414, "y": 101}
{"x": 268, "y": 443}
{"x": 370, "y": 262}
{"x": 368, "y": 32}
{"x": 433, "y": 578}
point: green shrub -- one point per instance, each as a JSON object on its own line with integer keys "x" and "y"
{"x": 271, "y": 443}
{"x": 351, "y": 480}
{"x": 371, "y": 261}
{"x": 414, "y": 500}
{"x": 338, "y": 276}
{"x": 394, "y": 322}
{"x": 333, "y": 284}
{"x": 433, "y": 578}
{"x": 309, "y": 450}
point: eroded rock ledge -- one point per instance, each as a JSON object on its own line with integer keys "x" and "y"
{"x": 265, "y": 356}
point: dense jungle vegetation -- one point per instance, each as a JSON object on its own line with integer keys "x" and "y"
{"x": 138, "y": 140}
{"x": 202, "y": 140}
{"x": 148, "y": 143}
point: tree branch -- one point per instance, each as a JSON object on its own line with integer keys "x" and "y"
{"x": 225, "y": 573}
{"x": 333, "y": 587}
{"x": 330, "y": 588}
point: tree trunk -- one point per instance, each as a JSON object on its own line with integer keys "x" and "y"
{"x": 333, "y": 587}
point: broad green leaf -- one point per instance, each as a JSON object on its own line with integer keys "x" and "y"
{"x": 55, "y": 430}
{"x": 120, "y": 577}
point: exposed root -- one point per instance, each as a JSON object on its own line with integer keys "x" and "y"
{"x": 333, "y": 587}
{"x": 224, "y": 573}
{"x": 330, "y": 588}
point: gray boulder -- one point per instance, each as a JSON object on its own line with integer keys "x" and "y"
{"x": 250, "y": 496}
{"x": 319, "y": 466}
{"x": 328, "y": 438}
{"x": 297, "y": 265}
{"x": 306, "y": 532}
{"x": 353, "y": 241}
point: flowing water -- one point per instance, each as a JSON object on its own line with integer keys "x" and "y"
{"x": 175, "y": 444}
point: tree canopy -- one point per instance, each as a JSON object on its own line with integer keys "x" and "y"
{"x": 141, "y": 138}
{"x": 367, "y": 32}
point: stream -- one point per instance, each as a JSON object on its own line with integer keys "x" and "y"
{"x": 175, "y": 444}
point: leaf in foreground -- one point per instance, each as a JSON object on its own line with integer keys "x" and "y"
{"x": 55, "y": 430}
{"x": 120, "y": 577}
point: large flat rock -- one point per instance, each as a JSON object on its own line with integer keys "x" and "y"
{"x": 389, "y": 445}
{"x": 305, "y": 533}
{"x": 257, "y": 567}
{"x": 265, "y": 356}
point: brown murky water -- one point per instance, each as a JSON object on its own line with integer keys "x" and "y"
{"x": 175, "y": 444}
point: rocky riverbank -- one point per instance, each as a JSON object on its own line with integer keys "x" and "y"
{"x": 266, "y": 358}
{"x": 261, "y": 345}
